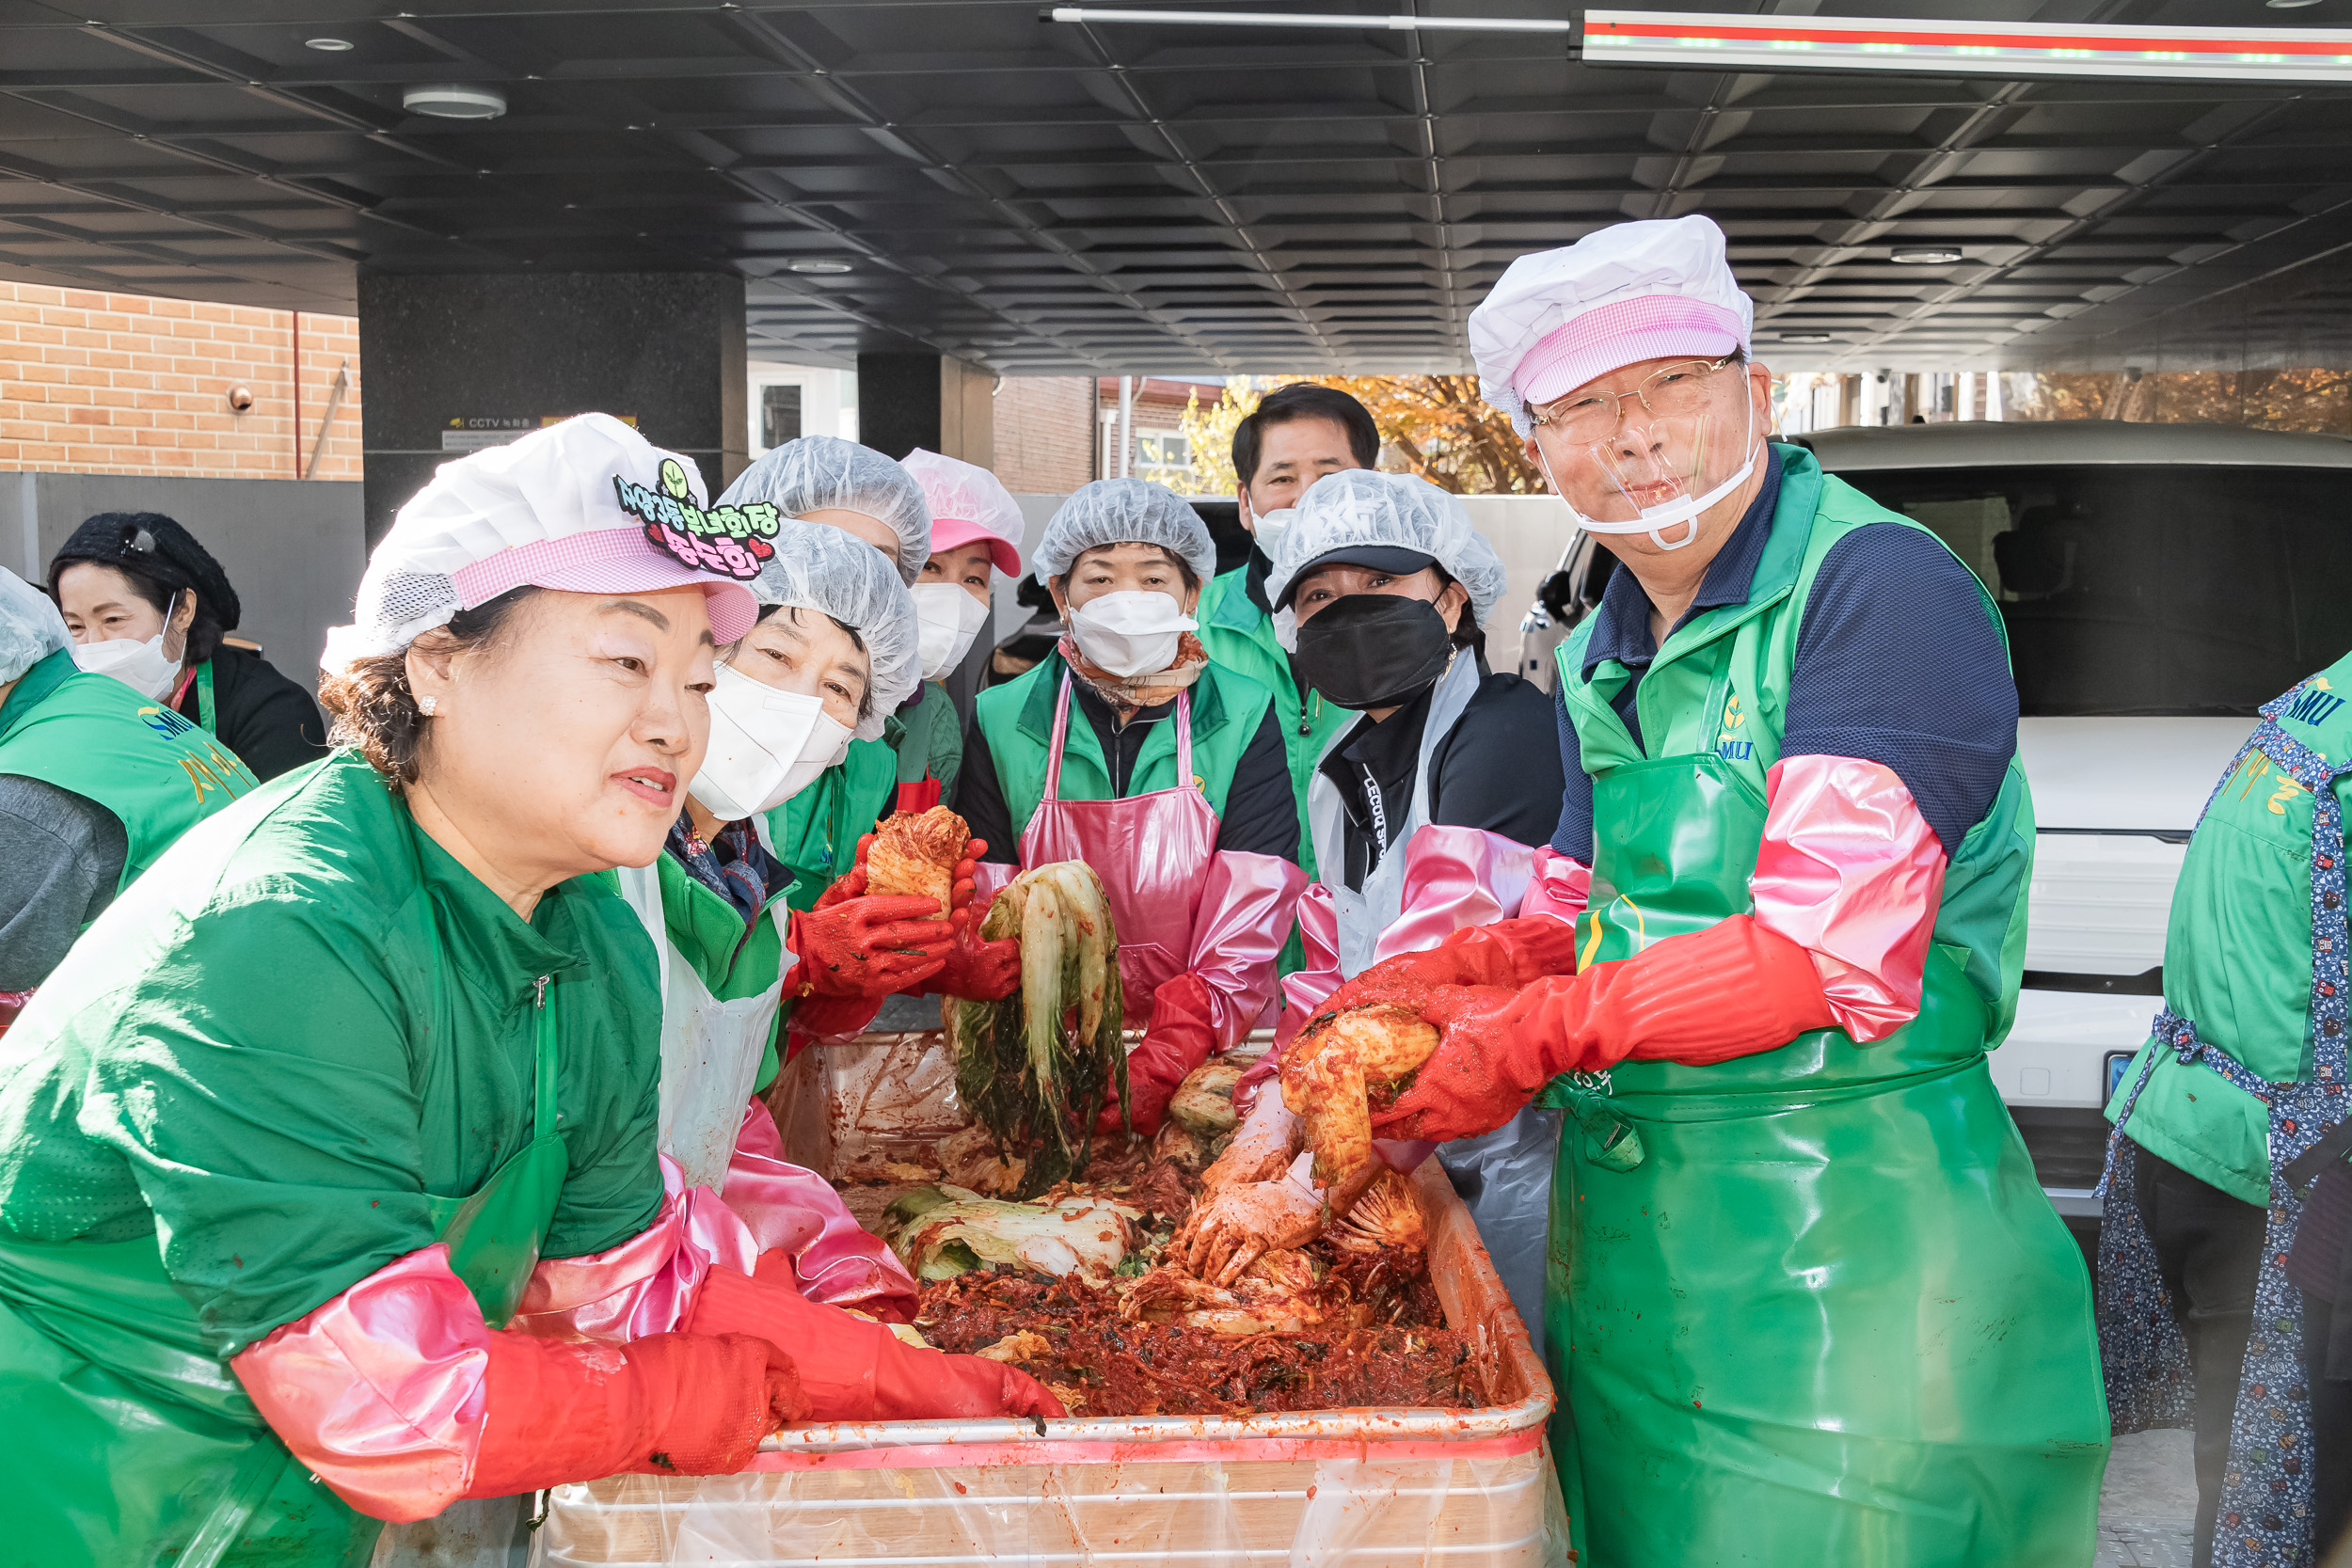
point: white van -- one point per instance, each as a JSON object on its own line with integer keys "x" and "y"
{"x": 2160, "y": 583}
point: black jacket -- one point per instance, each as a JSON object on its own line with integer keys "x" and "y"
{"x": 1497, "y": 769}
{"x": 269, "y": 721}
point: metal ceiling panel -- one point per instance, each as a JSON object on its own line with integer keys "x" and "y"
{"x": 1046, "y": 197}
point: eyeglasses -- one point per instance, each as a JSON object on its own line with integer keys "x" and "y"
{"x": 1676, "y": 390}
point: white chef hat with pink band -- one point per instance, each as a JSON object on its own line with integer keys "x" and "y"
{"x": 587, "y": 505}
{"x": 1649, "y": 289}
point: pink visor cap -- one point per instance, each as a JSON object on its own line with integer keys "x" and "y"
{"x": 1625, "y": 332}
{"x": 607, "y": 560}
{"x": 953, "y": 534}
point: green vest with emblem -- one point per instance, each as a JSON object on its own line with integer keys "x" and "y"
{"x": 1018, "y": 720}
{"x": 1809, "y": 1305}
{"x": 815, "y": 832}
{"x": 156, "y": 772}
{"x": 2237, "y": 957}
{"x": 1240, "y": 637}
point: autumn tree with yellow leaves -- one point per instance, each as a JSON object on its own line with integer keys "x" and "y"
{"x": 1435, "y": 426}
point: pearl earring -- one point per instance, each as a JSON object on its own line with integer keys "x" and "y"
{"x": 427, "y": 705}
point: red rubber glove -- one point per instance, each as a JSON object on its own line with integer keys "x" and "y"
{"x": 867, "y": 946}
{"x": 852, "y": 884}
{"x": 832, "y": 1020}
{"x": 1508, "y": 953}
{"x": 11, "y": 1003}
{"x": 856, "y": 1371}
{"x": 1733, "y": 990}
{"x": 557, "y": 1411}
{"x": 1182, "y": 1035}
{"x": 980, "y": 971}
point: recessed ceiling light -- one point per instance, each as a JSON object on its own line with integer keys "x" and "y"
{"x": 331, "y": 46}
{"x": 1927, "y": 255}
{"x": 817, "y": 264}
{"x": 2289, "y": 4}
{"x": 1806, "y": 338}
{"x": 454, "y": 101}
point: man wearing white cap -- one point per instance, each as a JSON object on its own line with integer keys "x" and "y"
{"x": 1807, "y": 1301}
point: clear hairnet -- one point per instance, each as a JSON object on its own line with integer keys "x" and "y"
{"x": 1124, "y": 512}
{"x": 817, "y": 472}
{"x": 842, "y": 576}
{"x": 1358, "y": 507}
{"x": 30, "y": 627}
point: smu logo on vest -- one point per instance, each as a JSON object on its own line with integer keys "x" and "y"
{"x": 2317, "y": 705}
{"x": 206, "y": 773}
{"x": 1727, "y": 744}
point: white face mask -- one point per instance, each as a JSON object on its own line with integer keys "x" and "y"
{"x": 144, "y": 667}
{"x": 1131, "y": 632}
{"x": 947, "y": 618}
{"x": 1267, "y": 527}
{"x": 765, "y": 745}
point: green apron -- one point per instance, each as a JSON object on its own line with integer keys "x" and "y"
{"x": 815, "y": 834}
{"x": 111, "y": 1362}
{"x": 1807, "y": 1306}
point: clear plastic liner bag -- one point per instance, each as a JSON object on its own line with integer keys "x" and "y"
{"x": 1480, "y": 1511}
{"x": 1505, "y": 1178}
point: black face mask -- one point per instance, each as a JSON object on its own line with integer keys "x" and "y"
{"x": 1374, "y": 650}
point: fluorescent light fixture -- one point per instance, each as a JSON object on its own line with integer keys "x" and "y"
{"x": 1806, "y": 338}
{"x": 825, "y": 264}
{"x": 1313, "y": 19}
{"x": 1692, "y": 40}
{"x": 454, "y": 101}
{"x": 331, "y": 46}
{"x": 1927, "y": 255}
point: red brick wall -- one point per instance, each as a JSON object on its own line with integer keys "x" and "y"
{"x": 1045, "y": 434}
{"x": 122, "y": 384}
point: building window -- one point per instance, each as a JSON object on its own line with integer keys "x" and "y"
{"x": 1164, "y": 451}
{"x": 779, "y": 414}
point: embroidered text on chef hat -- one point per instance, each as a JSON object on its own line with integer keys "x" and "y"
{"x": 587, "y": 505}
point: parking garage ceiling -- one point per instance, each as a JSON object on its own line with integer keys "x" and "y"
{"x": 1044, "y": 197}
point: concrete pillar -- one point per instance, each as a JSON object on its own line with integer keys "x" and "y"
{"x": 905, "y": 400}
{"x": 456, "y": 363}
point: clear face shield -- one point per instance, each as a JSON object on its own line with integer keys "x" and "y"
{"x": 1658, "y": 456}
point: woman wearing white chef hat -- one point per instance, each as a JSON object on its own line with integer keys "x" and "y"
{"x": 333, "y": 1193}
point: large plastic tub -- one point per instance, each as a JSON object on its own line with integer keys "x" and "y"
{"x": 1359, "y": 1487}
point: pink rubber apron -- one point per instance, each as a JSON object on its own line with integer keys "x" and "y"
{"x": 1151, "y": 850}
